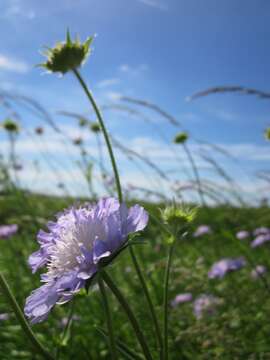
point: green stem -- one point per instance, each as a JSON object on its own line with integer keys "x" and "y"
{"x": 165, "y": 303}
{"x": 111, "y": 338}
{"x": 21, "y": 319}
{"x": 196, "y": 173}
{"x": 104, "y": 130}
{"x": 117, "y": 293}
{"x": 148, "y": 298}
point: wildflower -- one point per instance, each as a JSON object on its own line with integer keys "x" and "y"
{"x": 67, "y": 56}
{"x": 205, "y": 304}
{"x": 82, "y": 122}
{"x": 181, "y": 298}
{"x": 17, "y": 167}
{"x": 258, "y": 271}
{"x": 77, "y": 244}
{"x": 260, "y": 240}
{"x": 261, "y": 231}
{"x": 243, "y": 234}
{"x": 220, "y": 268}
{"x": 181, "y": 138}
{"x": 6, "y": 231}
{"x": 202, "y": 230}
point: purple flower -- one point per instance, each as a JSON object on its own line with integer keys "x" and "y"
{"x": 202, "y": 230}
{"x": 261, "y": 231}
{"x": 260, "y": 240}
{"x": 181, "y": 298}
{"x": 220, "y": 268}
{"x": 74, "y": 247}
{"x": 205, "y": 304}
{"x": 258, "y": 271}
{"x": 6, "y": 231}
{"x": 243, "y": 234}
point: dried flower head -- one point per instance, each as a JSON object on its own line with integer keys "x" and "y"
{"x": 77, "y": 244}
{"x": 68, "y": 55}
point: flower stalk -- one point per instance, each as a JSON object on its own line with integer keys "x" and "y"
{"x": 21, "y": 319}
{"x": 111, "y": 339}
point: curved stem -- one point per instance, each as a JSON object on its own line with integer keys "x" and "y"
{"x": 165, "y": 303}
{"x": 196, "y": 173}
{"x": 111, "y": 338}
{"x": 117, "y": 293}
{"x": 21, "y": 319}
{"x": 104, "y": 130}
{"x": 148, "y": 298}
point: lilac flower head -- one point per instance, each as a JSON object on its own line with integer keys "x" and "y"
{"x": 258, "y": 271}
{"x": 205, "y": 304}
{"x": 73, "y": 249}
{"x": 260, "y": 240}
{"x": 261, "y": 231}
{"x": 220, "y": 268}
{"x": 243, "y": 234}
{"x": 181, "y": 298}
{"x": 6, "y": 231}
{"x": 202, "y": 230}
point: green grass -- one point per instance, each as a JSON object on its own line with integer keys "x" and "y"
{"x": 239, "y": 329}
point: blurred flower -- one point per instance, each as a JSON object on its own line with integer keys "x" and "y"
{"x": 181, "y": 138}
{"x": 178, "y": 216}
{"x": 78, "y": 243}
{"x": 260, "y": 240}
{"x": 202, "y": 230}
{"x": 67, "y": 56}
{"x": 78, "y": 141}
{"x": 39, "y": 130}
{"x": 181, "y": 298}
{"x": 6, "y": 231}
{"x": 220, "y": 268}
{"x": 205, "y": 304}
{"x": 17, "y": 167}
{"x": 10, "y": 126}
{"x": 243, "y": 234}
{"x": 4, "y": 316}
{"x": 64, "y": 321}
{"x": 261, "y": 231}
{"x": 267, "y": 133}
{"x": 95, "y": 127}
{"x": 259, "y": 270}
{"x": 82, "y": 122}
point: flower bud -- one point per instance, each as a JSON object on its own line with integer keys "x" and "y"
{"x": 267, "y": 134}
{"x": 178, "y": 216}
{"x": 95, "y": 127}
{"x": 68, "y": 55}
{"x": 181, "y": 138}
{"x": 10, "y": 126}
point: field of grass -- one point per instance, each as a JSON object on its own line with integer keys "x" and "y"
{"x": 238, "y": 328}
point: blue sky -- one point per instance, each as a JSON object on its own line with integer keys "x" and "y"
{"x": 159, "y": 50}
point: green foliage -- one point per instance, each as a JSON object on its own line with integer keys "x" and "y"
{"x": 239, "y": 329}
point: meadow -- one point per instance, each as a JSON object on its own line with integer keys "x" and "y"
{"x": 192, "y": 283}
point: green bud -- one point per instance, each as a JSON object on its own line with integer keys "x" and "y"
{"x": 267, "y": 133}
{"x": 10, "y": 126}
{"x": 178, "y": 216}
{"x": 68, "y": 55}
{"x": 82, "y": 122}
{"x": 95, "y": 127}
{"x": 181, "y": 138}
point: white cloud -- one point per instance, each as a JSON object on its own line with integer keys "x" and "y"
{"x": 155, "y": 4}
{"x": 15, "y": 8}
{"x": 14, "y": 65}
{"x": 133, "y": 70}
{"x": 107, "y": 83}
